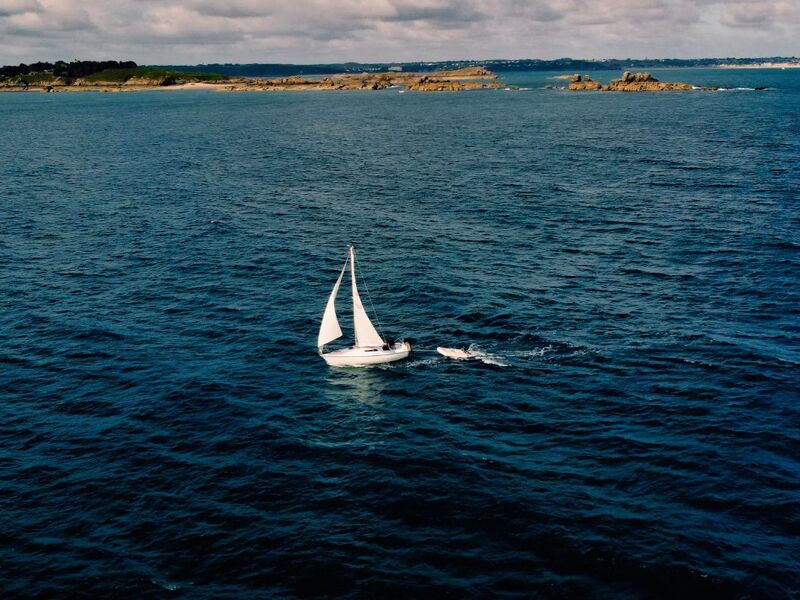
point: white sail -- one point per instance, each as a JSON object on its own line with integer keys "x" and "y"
{"x": 329, "y": 330}
{"x": 365, "y": 331}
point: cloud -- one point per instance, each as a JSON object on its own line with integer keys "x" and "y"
{"x": 15, "y": 7}
{"x": 42, "y": 19}
{"x": 234, "y": 9}
{"x": 443, "y": 12}
{"x": 192, "y": 31}
{"x": 761, "y": 15}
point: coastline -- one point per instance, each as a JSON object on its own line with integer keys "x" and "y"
{"x": 767, "y": 65}
{"x": 469, "y": 78}
{"x": 192, "y": 85}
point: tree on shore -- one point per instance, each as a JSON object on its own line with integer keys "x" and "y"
{"x": 67, "y": 70}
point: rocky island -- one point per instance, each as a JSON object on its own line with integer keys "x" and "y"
{"x": 469, "y": 78}
{"x": 120, "y": 77}
{"x": 635, "y": 82}
{"x": 629, "y": 82}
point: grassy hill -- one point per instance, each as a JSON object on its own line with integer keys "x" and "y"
{"x": 156, "y": 73}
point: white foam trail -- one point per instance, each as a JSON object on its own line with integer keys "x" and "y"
{"x": 423, "y": 362}
{"x": 492, "y": 361}
{"x": 487, "y": 358}
{"x": 532, "y": 353}
{"x": 496, "y": 358}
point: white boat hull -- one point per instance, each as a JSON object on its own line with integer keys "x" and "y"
{"x": 456, "y": 353}
{"x": 364, "y": 357}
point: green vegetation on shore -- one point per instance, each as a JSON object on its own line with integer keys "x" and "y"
{"x": 110, "y": 71}
{"x": 60, "y": 68}
{"x": 123, "y": 75}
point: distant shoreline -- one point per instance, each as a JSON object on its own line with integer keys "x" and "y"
{"x": 767, "y": 65}
{"x": 469, "y": 78}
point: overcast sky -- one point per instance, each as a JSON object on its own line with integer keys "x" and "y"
{"x": 303, "y": 31}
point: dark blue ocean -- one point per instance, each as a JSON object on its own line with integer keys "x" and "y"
{"x": 629, "y": 264}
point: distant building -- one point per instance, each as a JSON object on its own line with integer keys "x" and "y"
{"x": 396, "y": 68}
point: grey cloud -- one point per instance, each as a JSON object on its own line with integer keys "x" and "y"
{"x": 761, "y": 15}
{"x": 232, "y": 8}
{"x": 15, "y": 7}
{"x": 546, "y": 14}
{"x": 43, "y": 24}
{"x": 335, "y": 30}
{"x": 540, "y": 11}
{"x": 442, "y": 12}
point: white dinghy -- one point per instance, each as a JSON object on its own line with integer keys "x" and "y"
{"x": 457, "y": 353}
{"x": 370, "y": 348}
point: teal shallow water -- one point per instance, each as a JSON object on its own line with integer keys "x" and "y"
{"x": 168, "y": 429}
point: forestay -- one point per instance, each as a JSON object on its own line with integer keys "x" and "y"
{"x": 366, "y": 336}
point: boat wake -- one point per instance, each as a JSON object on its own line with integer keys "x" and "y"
{"x": 420, "y": 362}
{"x": 740, "y": 89}
{"x": 495, "y": 358}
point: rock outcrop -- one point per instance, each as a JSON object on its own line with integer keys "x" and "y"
{"x": 467, "y": 73}
{"x": 439, "y": 81}
{"x": 629, "y": 82}
{"x": 437, "y": 84}
{"x": 644, "y": 82}
{"x": 579, "y": 83}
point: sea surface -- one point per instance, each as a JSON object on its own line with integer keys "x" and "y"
{"x": 626, "y": 267}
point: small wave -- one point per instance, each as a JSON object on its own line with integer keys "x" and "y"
{"x": 785, "y": 245}
{"x": 657, "y": 274}
{"x": 421, "y": 362}
{"x": 475, "y": 351}
{"x": 97, "y": 334}
{"x": 739, "y": 89}
{"x": 534, "y": 352}
{"x": 493, "y": 361}
{"x": 165, "y": 585}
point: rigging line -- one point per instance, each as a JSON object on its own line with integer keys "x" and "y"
{"x": 374, "y": 312}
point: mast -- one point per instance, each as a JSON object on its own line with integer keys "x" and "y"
{"x": 366, "y": 335}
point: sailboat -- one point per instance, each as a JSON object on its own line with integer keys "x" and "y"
{"x": 370, "y": 348}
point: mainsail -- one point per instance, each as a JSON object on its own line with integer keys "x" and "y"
{"x": 329, "y": 330}
{"x": 366, "y": 335}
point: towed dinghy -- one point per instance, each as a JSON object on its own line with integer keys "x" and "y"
{"x": 456, "y": 353}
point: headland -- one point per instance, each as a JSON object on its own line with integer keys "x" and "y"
{"x": 111, "y": 76}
